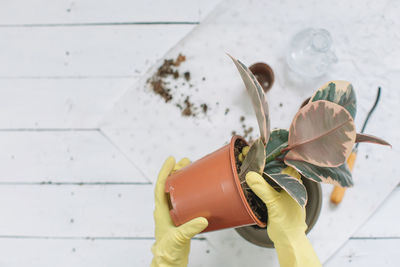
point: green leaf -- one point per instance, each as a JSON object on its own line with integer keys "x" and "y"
{"x": 339, "y": 92}
{"x": 277, "y": 140}
{"x": 291, "y": 185}
{"x": 322, "y": 133}
{"x": 340, "y": 176}
{"x": 254, "y": 160}
{"x": 257, "y": 97}
{"x": 371, "y": 139}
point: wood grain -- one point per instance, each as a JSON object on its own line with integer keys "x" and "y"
{"x": 89, "y": 253}
{"x": 58, "y": 103}
{"x": 367, "y": 252}
{"x": 22, "y": 12}
{"x": 77, "y": 211}
{"x": 63, "y": 157}
{"x": 106, "y": 51}
{"x": 385, "y": 222}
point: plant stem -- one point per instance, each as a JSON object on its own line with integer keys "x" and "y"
{"x": 286, "y": 149}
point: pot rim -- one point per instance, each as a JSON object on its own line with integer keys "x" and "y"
{"x": 237, "y": 181}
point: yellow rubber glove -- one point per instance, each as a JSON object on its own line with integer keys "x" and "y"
{"x": 286, "y": 225}
{"x": 172, "y": 245}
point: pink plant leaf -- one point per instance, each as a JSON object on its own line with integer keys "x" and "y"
{"x": 371, "y": 139}
{"x": 322, "y": 133}
{"x": 339, "y": 92}
{"x": 257, "y": 97}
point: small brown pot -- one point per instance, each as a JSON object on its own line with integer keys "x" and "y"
{"x": 210, "y": 188}
{"x": 264, "y": 75}
{"x": 305, "y": 102}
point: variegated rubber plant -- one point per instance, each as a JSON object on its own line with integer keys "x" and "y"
{"x": 320, "y": 138}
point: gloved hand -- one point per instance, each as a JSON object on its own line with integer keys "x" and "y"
{"x": 172, "y": 245}
{"x": 286, "y": 224}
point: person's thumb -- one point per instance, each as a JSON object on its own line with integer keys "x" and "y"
{"x": 181, "y": 164}
{"x": 188, "y": 230}
{"x": 261, "y": 188}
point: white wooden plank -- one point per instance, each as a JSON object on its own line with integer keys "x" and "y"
{"x": 385, "y": 221}
{"x": 17, "y": 12}
{"x": 112, "y": 212}
{"x": 89, "y": 253}
{"x": 85, "y": 51}
{"x": 58, "y": 103}
{"x": 106, "y": 213}
{"x": 63, "y": 156}
{"x": 77, "y": 211}
{"x": 367, "y": 252}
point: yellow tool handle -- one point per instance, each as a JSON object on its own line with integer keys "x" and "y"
{"x": 338, "y": 191}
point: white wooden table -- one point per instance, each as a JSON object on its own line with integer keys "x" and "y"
{"x": 68, "y": 195}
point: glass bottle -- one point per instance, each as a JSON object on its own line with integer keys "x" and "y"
{"x": 310, "y": 52}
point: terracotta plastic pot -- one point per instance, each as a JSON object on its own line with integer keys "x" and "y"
{"x": 210, "y": 188}
{"x": 259, "y": 236}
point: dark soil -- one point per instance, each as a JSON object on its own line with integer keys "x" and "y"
{"x": 175, "y": 87}
{"x": 187, "y": 111}
{"x": 181, "y": 58}
{"x": 160, "y": 85}
{"x": 204, "y": 108}
{"x": 246, "y": 132}
{"x": 239, "y": 145}
{"x": 256, "y": 204}
{"x": 187, "y": 76}
{"x": 159, "y": 89}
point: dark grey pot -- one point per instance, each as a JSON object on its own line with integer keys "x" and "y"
{"x": 259, "y": 236}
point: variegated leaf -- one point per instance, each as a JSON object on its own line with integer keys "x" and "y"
{"x": 257, "y": 97}
{"x": 322, "y": 133}
{"x": 277, "y": 141}
{"x": 254, "y": 160}
{"x": 340, "y": 176}
{"x": 371, "y": 139}
{"x": 293, "y": 186}
{"x": 339, "y": 92}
